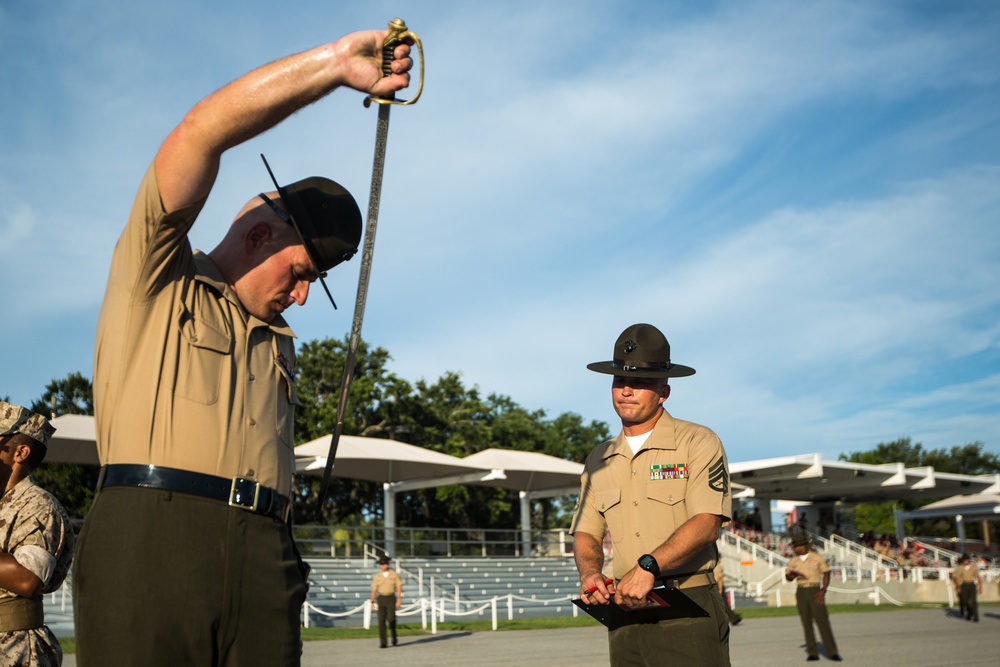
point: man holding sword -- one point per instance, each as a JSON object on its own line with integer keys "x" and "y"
{"x": 186, "y": 555}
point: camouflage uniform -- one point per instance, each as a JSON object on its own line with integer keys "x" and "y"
{"x": 35, "y": 530}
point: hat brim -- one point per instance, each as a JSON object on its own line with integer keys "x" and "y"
{"x": 613, "y": 368}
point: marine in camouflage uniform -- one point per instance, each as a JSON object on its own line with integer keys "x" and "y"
{"x": 36, "y": 542}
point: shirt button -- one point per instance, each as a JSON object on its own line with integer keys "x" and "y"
{"x": 633, "y": 472}
{"x": 635, "y": 503}
{"x": 637, "y": 533}
{"x": 252, "y": 423}
{"x": 252, "y": 378}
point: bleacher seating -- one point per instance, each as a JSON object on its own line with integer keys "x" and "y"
{"x": 540, "y": 586}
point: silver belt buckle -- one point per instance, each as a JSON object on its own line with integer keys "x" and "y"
{"x": 245, "y": 493}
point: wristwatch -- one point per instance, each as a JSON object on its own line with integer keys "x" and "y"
{"x": 649, "y": 564}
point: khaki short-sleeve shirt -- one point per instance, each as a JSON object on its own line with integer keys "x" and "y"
{"x": 966, "y": 573}
{"x": 642, "y": 499}
{"x": 385, "y": 583}
{"x": 183, "y": 376}
{"x": 813, "y": 566}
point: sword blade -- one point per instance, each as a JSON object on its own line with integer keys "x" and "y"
{"x": 374, "y": 196}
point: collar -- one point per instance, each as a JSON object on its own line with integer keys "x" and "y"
{"x": 208, "y": 273}
{"x": 662, "y": 437}
{"x": 19, "y": 488}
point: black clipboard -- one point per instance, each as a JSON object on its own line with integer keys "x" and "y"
{"x": 664, "y": 602}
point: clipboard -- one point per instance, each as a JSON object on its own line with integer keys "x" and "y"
{"x": 664, "y": 602}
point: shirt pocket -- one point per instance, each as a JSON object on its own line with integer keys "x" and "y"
{"x": 609, "y": 504}
{"x": 667, "y": 491}
{"x": 205, "y": 350}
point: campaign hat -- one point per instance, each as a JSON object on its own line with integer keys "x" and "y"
{"x": 800, "y": 539}
{"x": 642, "y": 351}
{"x": 325, "y": 216}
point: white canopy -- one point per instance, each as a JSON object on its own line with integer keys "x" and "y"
{"x": 378, "y": 460}
{"x": 75, "y": 440}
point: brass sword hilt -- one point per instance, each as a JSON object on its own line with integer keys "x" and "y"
{"x": 397, "y": 33}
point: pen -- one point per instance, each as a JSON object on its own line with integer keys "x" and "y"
{"x": 607, "y": 582}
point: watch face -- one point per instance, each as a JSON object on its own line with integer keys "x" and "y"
{"x": 647, "y": 563}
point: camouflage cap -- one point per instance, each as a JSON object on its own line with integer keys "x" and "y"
{"x": 17, "y": 419}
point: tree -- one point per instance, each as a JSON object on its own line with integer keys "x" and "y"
{"x": 73, "y": 484}
{"x": 73, "y": 395}
{"x": 879, "y": 518}
{"x": 444, "y": 416}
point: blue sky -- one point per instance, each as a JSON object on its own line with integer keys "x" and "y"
{"x": 805, "y": 197}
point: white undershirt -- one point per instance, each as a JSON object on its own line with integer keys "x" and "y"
{"x": 637, "y": 441}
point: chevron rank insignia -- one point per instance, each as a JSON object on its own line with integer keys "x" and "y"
{"x": 718, "y": 477}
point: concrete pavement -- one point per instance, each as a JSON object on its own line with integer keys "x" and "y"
{"x": 915, "y": 638}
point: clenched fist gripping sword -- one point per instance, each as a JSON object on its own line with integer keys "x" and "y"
{"x": 397, "y": 34}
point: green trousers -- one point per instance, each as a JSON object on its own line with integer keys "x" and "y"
{"x": 386, "y": 616}
{"x": 968, "y": 600}
{"x": 684, "y": 642}
{"x": 811, "y": 612}
{"x": 168, "y": 579}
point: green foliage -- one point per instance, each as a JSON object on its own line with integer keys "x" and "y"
{"x": 73, "y": 395}
{"x": 444, "y": 416}
{"x": 879, "y": 518}
{"x": 71, "y": 483}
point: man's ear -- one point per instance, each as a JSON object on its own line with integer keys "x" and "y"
{"x": 21, "y": 453}
{"x": 664, "y": 393}
{"x": 256, "y": 236}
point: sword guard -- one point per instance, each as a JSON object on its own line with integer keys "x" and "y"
{"x": 397, "y": 33}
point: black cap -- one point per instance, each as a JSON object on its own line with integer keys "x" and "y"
{"x": 325, "y": 216}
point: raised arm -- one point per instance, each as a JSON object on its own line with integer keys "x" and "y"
{"x": 188, "y": 160}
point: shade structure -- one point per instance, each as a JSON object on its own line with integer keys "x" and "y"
{"x": 961, "y": 508}
{"x": 973, "y": 506}
{"x": 378, "y": 460}
{"x": 533, "y": 475}
{"x": 397, "y": 465}
{"x": 528, "y": 471}
{"x": 75, "y": 440}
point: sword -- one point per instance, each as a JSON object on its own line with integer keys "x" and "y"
{"x": 397, "y": 33}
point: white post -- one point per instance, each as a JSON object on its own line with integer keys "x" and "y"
{"x": 493, "y": 609}
{"x": 389, "y": 509}
{"x": 732, "y": 599}
{"x": 525, "y": 524}
{"x": 305, "y": 615}
{"x": 510, "y": 606}
{"x": 434, "y": 619}
{"x": 877, "y": 597}
{"x": 777, "y": 598}
{"x": 442, "y": 609}
{"x": 433, "y": 607}
{"x": 951, "y": 589}
{"x": 423, "y": 613}
{"x": 367, "y": 616}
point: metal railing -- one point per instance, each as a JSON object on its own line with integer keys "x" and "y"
{"x": 350, "y": 542}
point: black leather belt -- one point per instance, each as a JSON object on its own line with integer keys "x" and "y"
{"x": 242, "y": 492}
